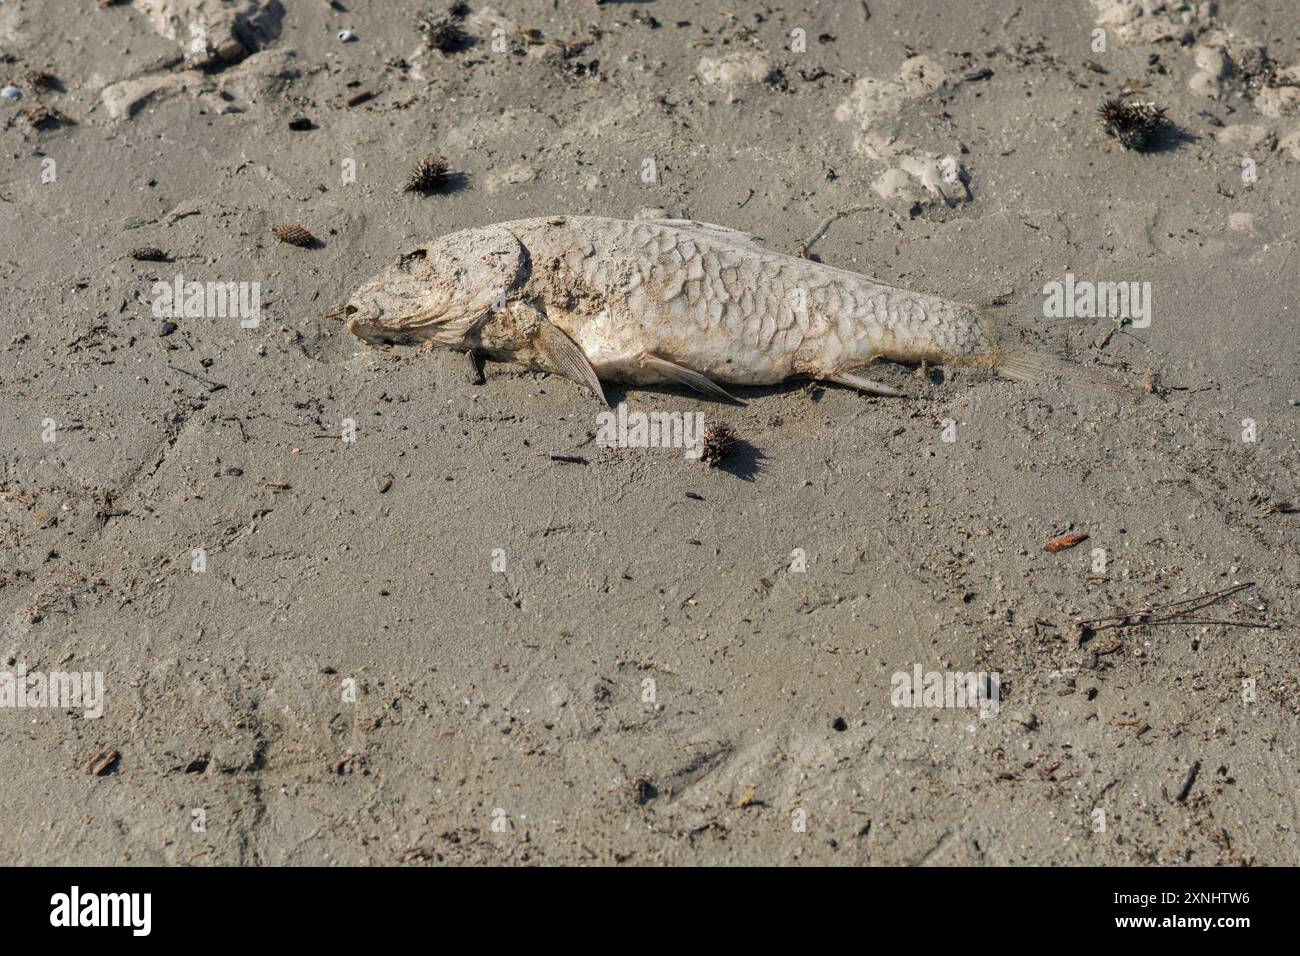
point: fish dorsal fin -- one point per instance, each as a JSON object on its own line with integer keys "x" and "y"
{"x": 709, "y": 230}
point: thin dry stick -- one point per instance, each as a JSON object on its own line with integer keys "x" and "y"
{"x": 1215, "y": 595}
{"x": 1144, "y": 618}
{"x": 1262, "y": 625}
{"x": 807, "y": 245}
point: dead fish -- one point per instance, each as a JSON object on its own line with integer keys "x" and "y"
{"x": 673, "y": 301}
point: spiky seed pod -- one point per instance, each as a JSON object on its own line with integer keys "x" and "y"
{"x": 293, "y": 234}
{"x": 719, "y": 443}
{"x": 443, "y": 34}
{"x": 39, "y": 80}
{"x": 42, "y": 117}
{"x": 149, "y": 254}
{"x": 1137, "y": 125}
{"x": 1254, "y": 68}
{"x": 429, "y": 175}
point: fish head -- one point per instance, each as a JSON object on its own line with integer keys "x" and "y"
{"x": 439, "y": 292}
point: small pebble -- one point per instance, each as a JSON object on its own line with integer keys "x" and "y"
{"x": 11, "y": 93}
{"x": 167, "y": 328}
{"x": 346, "y": 36}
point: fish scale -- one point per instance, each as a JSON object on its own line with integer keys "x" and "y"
{"x": 751, "y": 316}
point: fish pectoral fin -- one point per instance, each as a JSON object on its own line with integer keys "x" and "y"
{"x": 567, "y": 358}
{"x": 688, "y": 377}
{"x": 866, "y": 385}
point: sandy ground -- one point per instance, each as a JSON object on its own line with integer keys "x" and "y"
{"x": 652, "y": 678}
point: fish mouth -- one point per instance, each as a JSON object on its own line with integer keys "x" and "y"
{"x": 368, "y": 332}
{"x": 372, "y": 333}
{"x": 348, "y": 309}
{"x": 399, "y": 324}
{"x": 365, "y": 318}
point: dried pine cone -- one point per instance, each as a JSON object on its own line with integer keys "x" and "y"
{"x": 719, "y": 442}
{"x": 429, "y": 175}
{"x": 38, "y": 116}
{"x": 443, "y": 34}
{"x": 294, "y": 235}
{"x": 39, "y": 80}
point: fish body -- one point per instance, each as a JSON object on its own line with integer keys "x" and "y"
{"x": 656, "y": 301}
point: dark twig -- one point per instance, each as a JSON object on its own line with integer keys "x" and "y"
{"x": 474, "y": 368}
{"x": 1188, "y": 781}
{"x": 212, "y": 386}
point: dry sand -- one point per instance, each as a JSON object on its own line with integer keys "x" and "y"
{"x": 652, "y": 679}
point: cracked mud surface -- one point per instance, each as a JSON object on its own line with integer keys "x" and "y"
{"x": 502, "y": 717}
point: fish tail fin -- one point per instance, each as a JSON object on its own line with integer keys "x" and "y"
{"x": 1016, "y": 362}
